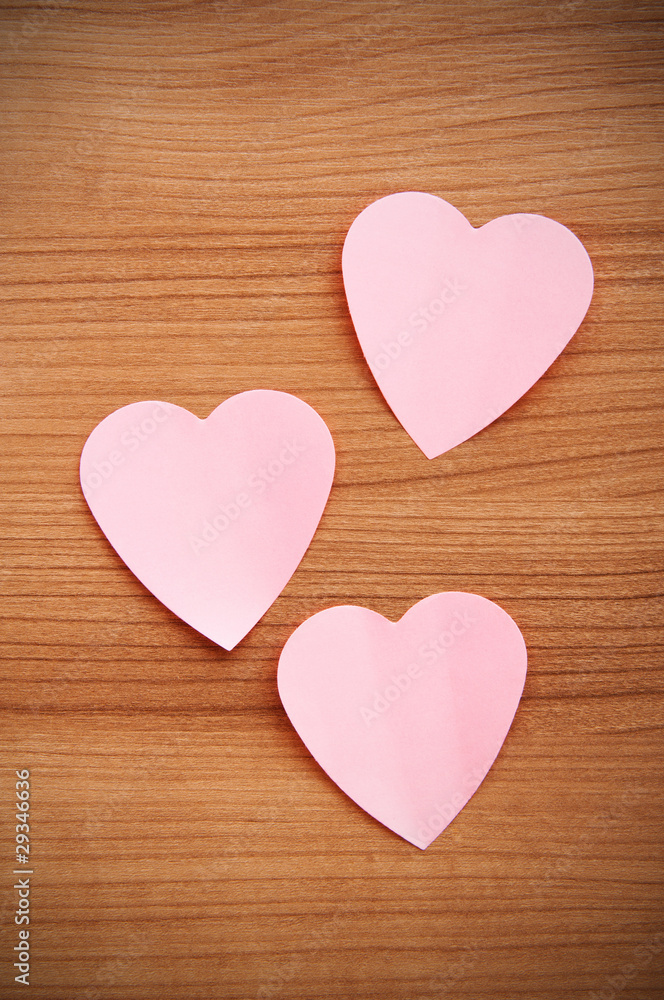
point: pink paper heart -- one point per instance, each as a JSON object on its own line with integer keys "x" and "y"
{"x": 457, "y": 323}
{"x": 406, "y": 718}
{"x": 213, "y": 516}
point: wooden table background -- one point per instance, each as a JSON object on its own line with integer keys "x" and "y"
{"x": 177, "y": 181}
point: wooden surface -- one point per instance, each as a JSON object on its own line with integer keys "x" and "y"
{"x": 177, "y": 181}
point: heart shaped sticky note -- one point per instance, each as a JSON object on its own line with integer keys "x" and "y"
{"x": 457, "y": 323}
{"x": 214, "y": 515}
{"x": 406, "y": 718}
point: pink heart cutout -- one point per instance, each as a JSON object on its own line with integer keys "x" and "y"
{"x": 213, "y": 516}
{"x": 406, "y": 718}
{"x": 457, "y": 323}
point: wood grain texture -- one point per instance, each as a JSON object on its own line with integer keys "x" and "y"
{"x": 177, "y": 181}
